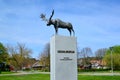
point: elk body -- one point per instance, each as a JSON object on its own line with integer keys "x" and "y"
{"x": 57, "y": 23}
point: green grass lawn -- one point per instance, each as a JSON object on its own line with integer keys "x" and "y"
{"x": 47, "y": 77}
{"x": 27, "y": 77}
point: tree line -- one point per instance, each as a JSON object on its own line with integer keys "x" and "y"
{"x": 16, "y": 56}
{"x": 20, "y": 56}
{"x": 103, "y": 55}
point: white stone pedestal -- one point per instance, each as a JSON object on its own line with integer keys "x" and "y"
{"x": 63, "y": 53}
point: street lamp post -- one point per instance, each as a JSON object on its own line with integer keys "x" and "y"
{"x": 111, "y": 50}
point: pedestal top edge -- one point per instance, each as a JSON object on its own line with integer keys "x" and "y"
{"x": 63, "y": 36}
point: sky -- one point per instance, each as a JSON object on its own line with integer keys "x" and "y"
{"x": 96, "y": 22}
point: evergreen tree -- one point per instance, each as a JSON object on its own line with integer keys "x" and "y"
{"x": 3, "y": 53}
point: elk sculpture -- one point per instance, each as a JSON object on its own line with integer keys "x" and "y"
{"x": 57, "y": 23}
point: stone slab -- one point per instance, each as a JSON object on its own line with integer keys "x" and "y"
{"x": 63, "y": 53}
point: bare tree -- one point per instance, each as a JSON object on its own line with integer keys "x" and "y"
{"x": 100, "y": 53}
{"x": 19, "y": 55}
{"x": 45, "y": 56}
{"x": 86, "y": 53}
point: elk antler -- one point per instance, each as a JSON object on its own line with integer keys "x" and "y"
{"x": 43, "y": 17}
{"x": 51, "y": 15}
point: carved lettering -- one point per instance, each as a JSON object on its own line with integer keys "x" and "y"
{"x": 66, "y": 59}
{"x": 65, "y": 51}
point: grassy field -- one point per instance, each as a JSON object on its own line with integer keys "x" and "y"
{"x": 47, "y": 77}
{"x": 27, "y": 77}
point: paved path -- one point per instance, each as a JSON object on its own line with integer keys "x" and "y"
{"x": 82, "y": 73}
{"x": 99, "y": 73}
{"x": 24, "y": 73}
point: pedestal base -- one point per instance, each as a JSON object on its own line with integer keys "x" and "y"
{"x": 63, "y": 53}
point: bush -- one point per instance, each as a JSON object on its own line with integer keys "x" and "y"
{"x": 26, "y": 69}
{"x": 92, "y": 70}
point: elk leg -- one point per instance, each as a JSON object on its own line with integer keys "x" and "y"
{"x": 73, "y": 31}
{"x": 56, "y": 30}
{"x": 69, "y": 31}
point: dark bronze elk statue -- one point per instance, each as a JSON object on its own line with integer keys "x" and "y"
{"x": 58, "y": 23}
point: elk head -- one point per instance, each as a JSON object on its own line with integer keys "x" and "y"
{"x": 49, "y": 22}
